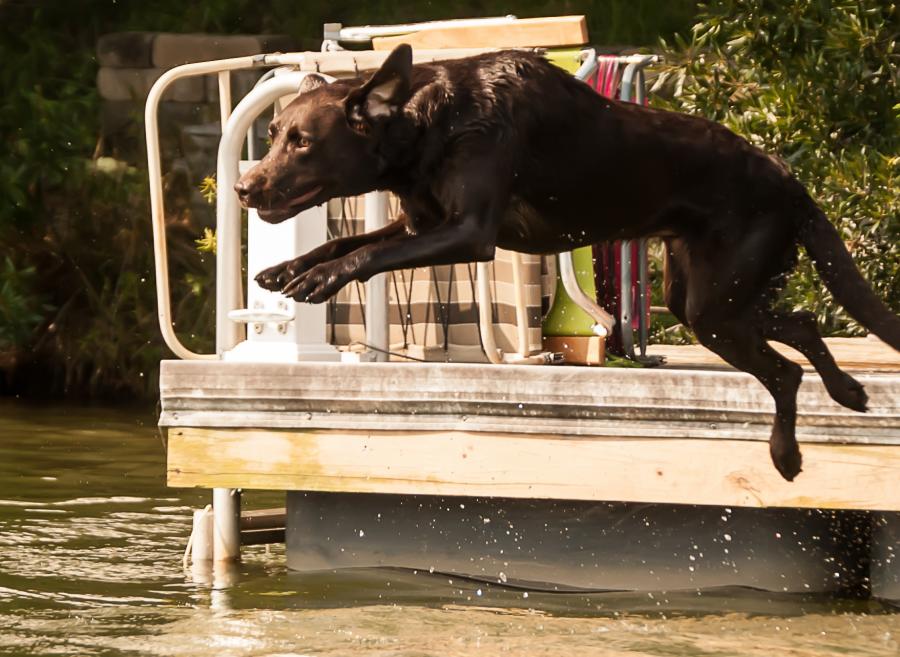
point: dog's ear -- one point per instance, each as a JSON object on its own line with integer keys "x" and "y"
{"x": 311, "y": 81}
{"x": 385, "y": 92}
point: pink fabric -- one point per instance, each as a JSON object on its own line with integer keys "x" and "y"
{"x": 607, "y": 256}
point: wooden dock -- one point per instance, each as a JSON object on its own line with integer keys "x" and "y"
{"x": 691, "y": 433}
{"x": 673, "y": 435}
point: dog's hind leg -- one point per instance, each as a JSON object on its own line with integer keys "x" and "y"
{"x": 675, "y": 280}
{"x": 799, "y": 330}
{"x": 740, "y": 343}
{"x": 726, "y": 292}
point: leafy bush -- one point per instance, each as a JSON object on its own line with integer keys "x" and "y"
{"x": 815, "y": 82}
{"x": 98, "y": 333}
{"x": 21, "y": 310}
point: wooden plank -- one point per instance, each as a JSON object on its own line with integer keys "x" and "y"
{"x": 559, "y": 400}
{"x": 350, "y": 387}
{"x": 523, "y": 33}
{"x": 351, "y": 61}
{"x": 719, "y": 472}
{"x": 262, "y": 536}
{"x": 853, "y": 354}
{"x": 864, "y": 430}
{"x": 577, "y": 349}
{"x": 262, "y": 519}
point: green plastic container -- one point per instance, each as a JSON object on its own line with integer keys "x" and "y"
{"x": 565, "y": 316}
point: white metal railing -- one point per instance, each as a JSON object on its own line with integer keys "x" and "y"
{"x": 236, "y": 123}
{"x": 157, "y": 205}
{"x": 228, "y": 283}
{"x": 229, "y": 289}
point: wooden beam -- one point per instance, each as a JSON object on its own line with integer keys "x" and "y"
{"x": 523, "y": 33}
{"x": 682, "y": 471}
{"x": 262, "y": 536}
{"x": 510, "y": 398}
{"x": 263, "y": 519}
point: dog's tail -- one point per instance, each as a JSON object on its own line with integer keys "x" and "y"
{"x": 850, "y": 289}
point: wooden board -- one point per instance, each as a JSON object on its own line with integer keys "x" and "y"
{"x": 577, "y": 349}
{"x": 559, "y": 400}
{"x": 867, "y": 354}
{"x": 524, "y": 33}
{"x": 679, "y": 471}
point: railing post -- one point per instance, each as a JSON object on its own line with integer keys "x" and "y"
{"x": 377, "y": 324}
{"x": 229, "y": 288}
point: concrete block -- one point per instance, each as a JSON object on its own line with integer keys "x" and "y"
{"x": 135, "y": 83}
{"x": 121, "y": 126}
{"x": 174, "y": 118}
{"x": 126, "y": 49}
{"x": 117, "y": 116}
{"x": 176, "y": 49}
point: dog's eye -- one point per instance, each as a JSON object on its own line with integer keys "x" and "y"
{"x": 301, "y": 141}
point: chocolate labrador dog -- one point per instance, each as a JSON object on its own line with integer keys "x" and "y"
{"x": 505, "y": 149}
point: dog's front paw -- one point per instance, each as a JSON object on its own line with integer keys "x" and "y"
{"x": 275, "y": 278}
{"x": 316, "y": 285}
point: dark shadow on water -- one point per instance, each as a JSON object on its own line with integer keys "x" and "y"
{"x": 249, "y": 583}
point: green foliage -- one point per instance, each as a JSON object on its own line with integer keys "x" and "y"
{"x": 815, "y": 82}
{"x": 48, "y": 116}
{"x": 209, "y": 189}
{"x": 207, "y": 243}
{"x": 94, "y": 264}
{"x": 20, "y": 309}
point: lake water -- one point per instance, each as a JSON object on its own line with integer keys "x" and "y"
{"x": 91, "y": 545}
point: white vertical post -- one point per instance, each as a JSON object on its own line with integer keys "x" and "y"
{"x": 224, "y": 97}
{"x": 226, "y": 501}
{"x": 377, "y": 326}
{"x": 521, "y": 306}
{"x": 486, "y": 314}
{"x": 626, "y": 300}
{"x": 201, "y": 536}
{"x": 229, "y": 290}
{"x": 226, "y": 524}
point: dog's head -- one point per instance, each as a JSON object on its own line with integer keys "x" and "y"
{"x": 326, "y": 141}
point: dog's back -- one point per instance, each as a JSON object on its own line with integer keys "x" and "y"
{"x": 553, "y": 136}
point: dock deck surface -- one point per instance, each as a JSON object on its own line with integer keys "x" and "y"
{"x": 852, "y": 354}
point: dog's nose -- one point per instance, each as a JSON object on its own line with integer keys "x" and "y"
{"x": 243, "y": 191}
